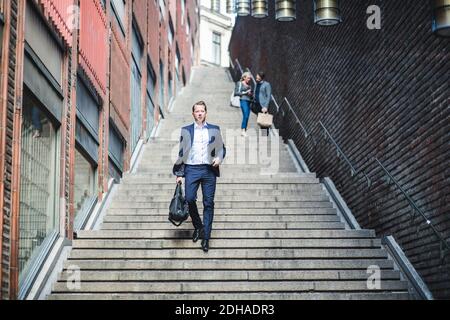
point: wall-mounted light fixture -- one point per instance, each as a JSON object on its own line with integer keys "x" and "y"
{"x": 243, "y": 8}
{"x": 327, "y": 12}
{"x": 285, "y": 10}
{"x": 260, "y": 8}
{"x": 441, "y": 17}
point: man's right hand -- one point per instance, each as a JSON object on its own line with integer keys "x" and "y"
{"x": 180, "y": 180}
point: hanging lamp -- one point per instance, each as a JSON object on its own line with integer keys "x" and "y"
{"x": 285, "y": 10}
{"x": 441, "y": 17}
{"x": 327, "y": 12}
{"x": 260, "y": 8}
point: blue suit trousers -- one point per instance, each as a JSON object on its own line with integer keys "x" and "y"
{"x": 196, "y": 175}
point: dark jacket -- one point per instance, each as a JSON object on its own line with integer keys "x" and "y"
{"x": 264, "y": 94}
{"x": 216, "y": 148}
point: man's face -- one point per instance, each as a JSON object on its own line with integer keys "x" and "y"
{"x": 199, "y": 113}
{"x": 258, "y": 78}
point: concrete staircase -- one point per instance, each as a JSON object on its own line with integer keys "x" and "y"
{"x": 275, "y": 234}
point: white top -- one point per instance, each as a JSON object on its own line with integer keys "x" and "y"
{"x": 199, "y": 150}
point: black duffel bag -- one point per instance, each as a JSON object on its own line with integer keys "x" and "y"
{"x": 178, "y": 209}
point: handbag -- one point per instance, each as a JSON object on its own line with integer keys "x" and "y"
{"x": 235, "y": 101}
{"x": 178, "y": 208}
{"x": 264, "y": 120}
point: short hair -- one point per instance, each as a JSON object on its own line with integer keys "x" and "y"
{"x": 261, "y": 74}
{"x": 199, "y": 103}
{"x": 245, "y": 75}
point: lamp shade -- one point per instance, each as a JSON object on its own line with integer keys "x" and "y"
{"x": 441, "y": 17}
{"x": 327, "y": 12}
{"x": 243, "y": 7}
{"x": 260, "y": 8}
{"x": 285, "y": 10}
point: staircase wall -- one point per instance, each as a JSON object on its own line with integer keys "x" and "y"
{"x": 380, "y": 93}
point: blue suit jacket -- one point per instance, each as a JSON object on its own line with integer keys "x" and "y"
{"x": 216, "y": 148}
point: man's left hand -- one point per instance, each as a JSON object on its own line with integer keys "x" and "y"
{"x": 216, "y": 162}
{"x": 264, "y": 110}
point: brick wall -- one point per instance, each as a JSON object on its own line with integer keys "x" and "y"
{"x": 381, "y": 93}
{"x": 7, "y": 160}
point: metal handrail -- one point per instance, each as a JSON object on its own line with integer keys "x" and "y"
{"x": 411, "y": 202}
{"x": 353, "y": 171}
{"x": 239, "y": 65}
{"x": 231, "y": 62}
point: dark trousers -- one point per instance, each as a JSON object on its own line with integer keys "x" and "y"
{"x": 194, "y": 177}
{"x": 256, "y": 107}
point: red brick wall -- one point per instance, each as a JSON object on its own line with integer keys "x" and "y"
{"x": 382, "y": 93}
{"x": 120, "y": 83}
{"x": 153, "y": 34}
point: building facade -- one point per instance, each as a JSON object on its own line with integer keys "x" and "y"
{"x": 83, "y": 85}
{"x": 215, "y": 32}
{"x": 382, "y": 94}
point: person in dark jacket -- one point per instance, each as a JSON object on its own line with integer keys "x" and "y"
{"x": 201, "y": 152}
{"x": 263, "y": 94}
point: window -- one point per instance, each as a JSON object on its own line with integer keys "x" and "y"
{"x": 161, "y": 84}
{"x": 39, "y": 181}
{"x": 151, "y": 85}
{"x": 136, "y": 76}
{"x": 119, "y": 9}
{"x": 2, "y": 22}
{"x": 177, "y": 59}
{"x": 170, "y": 32}
{"x": 116, "y": 146}
{"x": 170, "y": 86}
{"x": 162, "y": 10}
{"x": 188, "y": 26}
{"x": 84, "y": 188}
{"x": 183, "y": 6}
{"x": 215, "y": 5}
{"x": 216, "y": 47}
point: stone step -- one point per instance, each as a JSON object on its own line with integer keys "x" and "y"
{"x": 223, "y": 192}
{"x": 235, "y": 275}
{"x": 185, "y": 241}
{"x": 226, "y": 204}
{"x": 227, "y": 226}
{"x": 231, "y": 198}
{"x": 235, "y": 296}
{"x": 153, "y": 218}
{"x": 280, "y": 178}
{"x": 224, "y": 186}
{"x": 231, "y": 212}
{"x": 149, "y": 171}
{"x": 245, "y": 234}
{"x": 273, "y": 253}
{"x": 250, "y": 181}
{"x": 227, "y": 264}
{"x": 230, "y": 286}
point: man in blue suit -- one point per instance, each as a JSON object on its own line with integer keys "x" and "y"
{"x": 201, "y": 152}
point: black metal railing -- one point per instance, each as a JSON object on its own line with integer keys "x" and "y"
{"x": 444, "y": 245}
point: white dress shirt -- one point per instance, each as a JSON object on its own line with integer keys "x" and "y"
{"x": 199, "y": 151}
